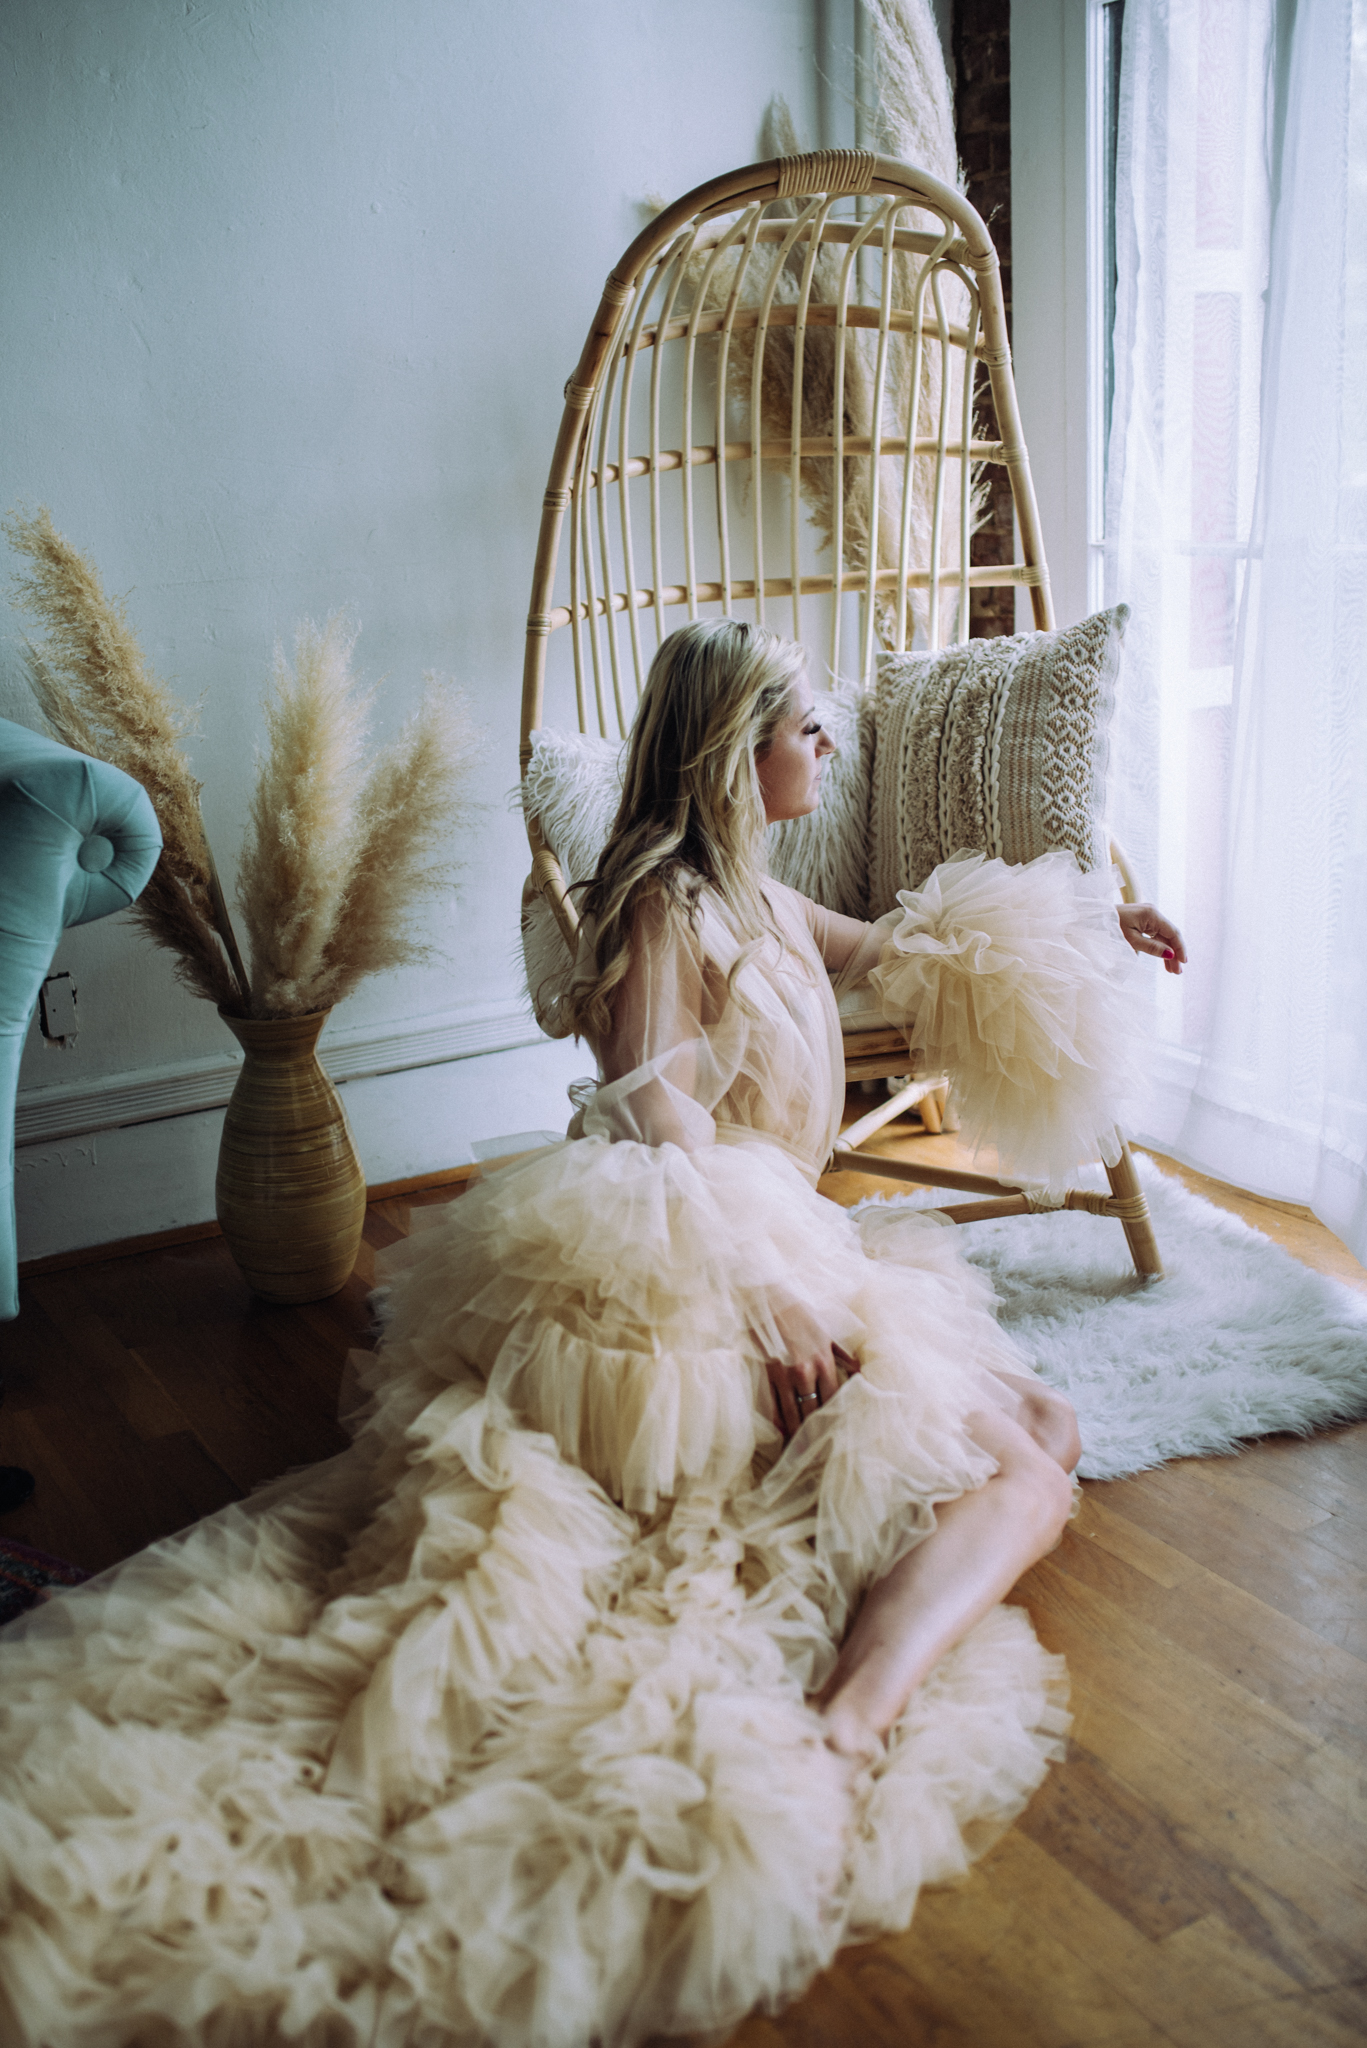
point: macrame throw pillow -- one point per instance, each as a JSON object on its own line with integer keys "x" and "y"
{"x": 573, "y": 785}
{"x": 993, "y": 746}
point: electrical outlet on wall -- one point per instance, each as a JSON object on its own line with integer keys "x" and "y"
{"x": 57, "y": 1010}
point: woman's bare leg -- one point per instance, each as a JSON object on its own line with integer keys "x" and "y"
{"x": 981, "y": 1544}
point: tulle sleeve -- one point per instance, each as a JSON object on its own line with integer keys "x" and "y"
{"x": 849, "y": 947}
{"x": 1016, "y": 981}
{"x": 671, "y": 1054}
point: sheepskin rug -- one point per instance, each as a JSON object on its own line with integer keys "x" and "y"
{"x": 1237, "y": 1340}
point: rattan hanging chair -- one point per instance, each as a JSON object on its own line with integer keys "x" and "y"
{"x": 682, "y": 487}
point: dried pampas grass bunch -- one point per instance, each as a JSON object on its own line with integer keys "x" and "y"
{"x": 911, "y": 117}
{"x": 336, "y": 858}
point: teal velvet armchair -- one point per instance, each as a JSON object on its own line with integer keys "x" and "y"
{"x": 78, "y": 839}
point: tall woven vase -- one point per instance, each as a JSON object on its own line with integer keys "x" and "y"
{"x": 290, "y": 1193}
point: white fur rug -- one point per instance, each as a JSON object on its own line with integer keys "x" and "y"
{"x": 1237, "y": 1340}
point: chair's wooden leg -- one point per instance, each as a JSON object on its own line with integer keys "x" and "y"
{"x": 891, "y": 1106}
{"x": 1136, "y": 1222}
{"x": 932, "y": 1116}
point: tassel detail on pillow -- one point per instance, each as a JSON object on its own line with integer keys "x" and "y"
{"x": 1013, "y": 981}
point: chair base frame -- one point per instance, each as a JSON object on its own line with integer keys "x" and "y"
{"x": 1126, "y": 1202}
{"x": 873, "y": 1055}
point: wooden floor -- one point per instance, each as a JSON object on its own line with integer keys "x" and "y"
{"x": 1195, "y": 1874}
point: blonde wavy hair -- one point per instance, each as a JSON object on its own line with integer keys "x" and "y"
{"x": 691, "y": 812}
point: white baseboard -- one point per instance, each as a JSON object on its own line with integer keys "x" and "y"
{"x": 44, "y": 1115}
{"x": 1171, "y": 1074}
{"x": 150, "y": 1173}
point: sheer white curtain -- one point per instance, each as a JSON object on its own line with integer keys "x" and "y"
{"x": 1237, "y": 529}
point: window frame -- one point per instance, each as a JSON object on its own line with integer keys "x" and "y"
{"x": 1063, "y": 241}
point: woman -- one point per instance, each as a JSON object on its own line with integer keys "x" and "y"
{"x": 646, "y": 1643}
{"x": 679, "y": 884}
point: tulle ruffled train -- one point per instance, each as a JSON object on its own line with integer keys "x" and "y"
{"x": 493, "y": 1728}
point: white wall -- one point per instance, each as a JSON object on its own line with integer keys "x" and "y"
{"x": 291, "y": 288}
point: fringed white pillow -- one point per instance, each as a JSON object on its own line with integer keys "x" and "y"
{"x": 573, "y": 785}
{"x": 993, "y": 746}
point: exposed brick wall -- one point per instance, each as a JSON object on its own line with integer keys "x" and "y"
{"x": 982, "y": 65}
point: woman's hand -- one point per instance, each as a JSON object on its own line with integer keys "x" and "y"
{"x": 1148, "y": 931}
{"x": 806, "y": 1376}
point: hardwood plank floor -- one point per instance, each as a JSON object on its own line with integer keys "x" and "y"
{"x": 1196, "y": 1874}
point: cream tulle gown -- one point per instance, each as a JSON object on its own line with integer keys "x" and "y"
{"x": 493, "y": 1727}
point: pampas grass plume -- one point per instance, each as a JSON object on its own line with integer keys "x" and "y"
{"x": 100, "y": 697}
{"x": 914, "y": 110}
{"x": 911, "y": 118}
{"x": 298, "y": 849}
{"x": 403, "y": 850}
{"x": 336, "y": 861}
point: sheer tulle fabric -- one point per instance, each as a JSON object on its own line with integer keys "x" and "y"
{"x": 1016, "y": 981}
{"x": 494, "y": 1728}
{"x": 693, "y": 1060}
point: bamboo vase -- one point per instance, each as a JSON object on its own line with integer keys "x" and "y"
{"x": 290, "y": 1193}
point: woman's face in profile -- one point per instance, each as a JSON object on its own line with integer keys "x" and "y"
{"x": 789, "y": 768}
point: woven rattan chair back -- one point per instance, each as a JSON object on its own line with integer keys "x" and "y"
{"x": 773, "y": 418}
{"x": 843, "y": 270}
